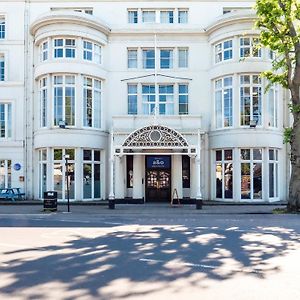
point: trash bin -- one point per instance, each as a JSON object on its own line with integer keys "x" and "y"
{"x": 199, "y": 204}
{"x": 50, "y": 201}
{"x": 111, "y": 203}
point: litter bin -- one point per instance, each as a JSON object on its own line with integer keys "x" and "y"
{"x": 199, "y": 204}
{"x": 111, "y": 203}
{"x": 50, "y": 201}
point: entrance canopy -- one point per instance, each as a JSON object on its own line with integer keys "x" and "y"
{"x": 155, "y": 138}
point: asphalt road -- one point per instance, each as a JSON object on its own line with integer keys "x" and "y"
{"x": 149, "y": 255}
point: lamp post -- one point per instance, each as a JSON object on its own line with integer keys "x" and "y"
{"x": 67, "y": 156}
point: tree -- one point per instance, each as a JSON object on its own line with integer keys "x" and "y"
{"x": 279, "y": 22}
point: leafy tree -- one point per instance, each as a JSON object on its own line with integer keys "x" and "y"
{"x": 279, "y": 22}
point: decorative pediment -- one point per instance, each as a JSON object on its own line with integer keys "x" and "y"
{"x": 155, "y": 136}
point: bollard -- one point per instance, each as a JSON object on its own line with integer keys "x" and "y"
{"x": 199, "y": 204}
{"x": 111, "y": 204}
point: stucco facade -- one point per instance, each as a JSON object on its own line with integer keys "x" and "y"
{"x": 148, "y": 99}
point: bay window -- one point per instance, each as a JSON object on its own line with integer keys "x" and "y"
{"x": 43, "y": 101}
{"x": 251, "y": 173}
{"x": 249, "y": 47}
{"x": 250, "y": 99}
{"x": 223, "y": 102}
{"x": 273, "y": 106}
{"x": 64, "y": 99}
{"x": 223, "y": 51}
{"x": 273, "y": 173}
{"x": 91, "y": 102}
{"x": 224, "y": 174}
{"x": 64, "y": 48}
{"x": 92, "y": 52}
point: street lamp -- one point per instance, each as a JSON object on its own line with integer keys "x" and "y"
{"x": 67, "y": 157}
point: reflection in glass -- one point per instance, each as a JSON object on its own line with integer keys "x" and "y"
{"x": 87, "y": 181}
{"x": 219, "y": 179}
{"x": 257, "y": 180}
{"x": 71, "y": 174}
{"x": 245, "y": 181}
{"x": 228, "y": 179}
{"x": 57, "y": 174}
{"x": 96, "y": 181}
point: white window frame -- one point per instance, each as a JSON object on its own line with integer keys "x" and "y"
{"x": 2, "y": 27}
{"x": 183, "y": 62}
{"x": 166, "y": 16}
{"x": 220, "y": 51}
{"x": 184, "y": 20}
{"x": 169, "y": 59}
{"x": 6, "y": 117}
{"x": 44, "y": 51}
{"x": 95, "y": 91}
{"x": 44, "y": 102}
{"x": 146, "y": 58}
{"x": 253, "y": 52}
{"x": 5, "y": 173}
{"x": 132, "y": 16}
{"x": 92, "y": 163}
{"x": 64, "y": 86}
{"x": 148, "y": 12}
{"x": 131, "y": 95}
{"x": 273, "y": 99}
{"x": 65, "y": 47}
{"x": 222, "y": 89}
{"x": 252, "y": 86}
{"x": 184, "y": 94}
{"x": 224, "y": 162}
{"x": 169, "y": 103}
{"x": 95, "y": 52}
{"x": 252, "y": 161}
{"x": 275, "y": 163}
{"x": 2, "y": 67}
{"x": 132, "y": 60}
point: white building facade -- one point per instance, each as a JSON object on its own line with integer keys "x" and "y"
{"x": 148, "y": 100}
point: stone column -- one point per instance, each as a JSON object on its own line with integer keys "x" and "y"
{"x": 138, "y": 176}
{"x": 198, "y": 174}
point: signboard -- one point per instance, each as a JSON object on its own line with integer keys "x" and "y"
{"x": 17, "y": 167}
{"x": 50, "y": 201}
{"x": 158, "y": 162}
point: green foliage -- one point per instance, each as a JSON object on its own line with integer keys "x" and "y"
{"x": 294, "y": 108}
{"x": 287, "y": 135}
{"x": 279, "y": 22}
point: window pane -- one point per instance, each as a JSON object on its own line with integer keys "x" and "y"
{"x": 219, "y": 181}
{"x": 87, "y": 154}
{"x": 245, "y": 181}
{"x": 257, "y": 180}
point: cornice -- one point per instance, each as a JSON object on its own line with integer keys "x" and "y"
{"x": 60, "y": 17}
{"x": 232, "y": 19}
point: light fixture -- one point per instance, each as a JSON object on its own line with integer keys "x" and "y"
{"x": 62, "y": 124}
{"x": 253, "y": 123}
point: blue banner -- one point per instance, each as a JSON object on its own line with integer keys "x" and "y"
{"x": 158, "y": 162}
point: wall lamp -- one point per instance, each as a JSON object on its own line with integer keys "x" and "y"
{"x": 253, "y": 123}
{"x": 62, "y": 124}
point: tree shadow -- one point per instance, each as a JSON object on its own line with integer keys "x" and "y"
{"x": 118, "y": 262}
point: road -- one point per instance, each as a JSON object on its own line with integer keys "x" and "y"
{"x": 156, "y": 254}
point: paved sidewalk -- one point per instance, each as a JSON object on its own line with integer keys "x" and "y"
{"x": 144, "y": 209}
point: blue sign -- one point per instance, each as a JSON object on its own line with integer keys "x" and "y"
{"x": 158, "y": 162}
{"x": 17, "y": 167}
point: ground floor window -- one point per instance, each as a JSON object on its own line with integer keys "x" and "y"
{"x": 5, "y": 173}
{"x": 246, "y": 174}
{"x": 224, "y": 174}
{"x": 251, "y": 173}
{"x": 273, "y": 173}
{"x": 186, "y": 171}
{"x": 91, "y": 174}
{"x": 73, "y": 170}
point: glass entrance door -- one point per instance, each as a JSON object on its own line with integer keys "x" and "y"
{"x": 158, "y": 185}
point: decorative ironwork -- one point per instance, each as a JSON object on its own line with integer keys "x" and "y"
{"x": 155, "y": 136}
